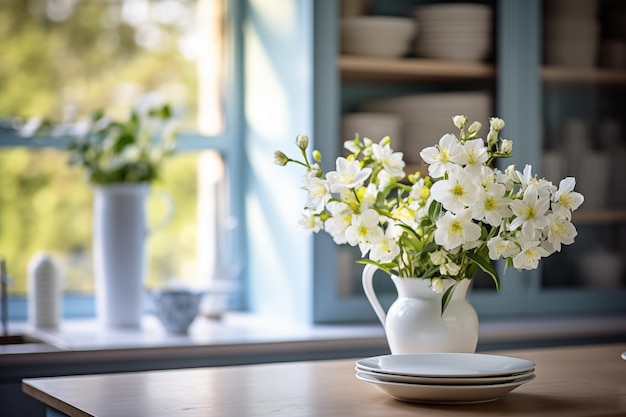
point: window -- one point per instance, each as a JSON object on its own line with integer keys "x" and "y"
{"x": 65, "y": 58}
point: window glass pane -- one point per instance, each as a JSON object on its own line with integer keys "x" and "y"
{"x": 47, "y": 206}
{"x": 79, "y": 55}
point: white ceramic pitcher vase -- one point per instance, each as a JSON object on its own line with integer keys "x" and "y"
{"x": 414, "y": 323}
{"x": 119, "y": 251}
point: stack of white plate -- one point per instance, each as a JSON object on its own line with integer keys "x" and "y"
{"x": 427, "y": 117}
{"x": 445, "y": 378}
{"x": 455, "y": 31}
{"x": 378, "y": 36}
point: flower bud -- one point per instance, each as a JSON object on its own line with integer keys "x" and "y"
{"x": 506, "y": 147}
{"x": 459, "y": 121}
{"x": 280, "y": 158}
{"x": 302, "y": 141}
{"x": 317, "y": 156}
{"x": 385, "y": 141}
{"x": 496, "y": 124}
{"x": 437, "y": 285}
{"x": 474, "y": 128}
{"x": 352, "y": 145}
{"x": 438, "y": 257}
{"x": 368, "y": 142}
{"x": 492, "y": 138}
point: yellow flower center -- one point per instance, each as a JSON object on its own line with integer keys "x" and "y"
{"x": 444, "y": 154}
{"x": 490, "y": 204}
{"x": 456, "y": 228}
{"x": 457, "y": 190}
{"x": 530, "y": 213}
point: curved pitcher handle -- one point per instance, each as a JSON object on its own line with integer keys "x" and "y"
{"x": 168, "y": 201}
{"x": 368, "y": 287}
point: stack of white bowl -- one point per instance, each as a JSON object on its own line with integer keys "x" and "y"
{"x": 455, "y": 31}
{"x": 378, "y": 36}
{"x": 571, "y": 33}
{"x": 427, "y": 117}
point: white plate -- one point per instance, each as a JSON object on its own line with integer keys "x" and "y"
{"x": 446, "y": 365}
{"x": 444, "y": 394}
{"x": 426, "y": 380}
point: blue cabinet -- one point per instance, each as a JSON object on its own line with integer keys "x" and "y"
{"x": 522, "y": 89}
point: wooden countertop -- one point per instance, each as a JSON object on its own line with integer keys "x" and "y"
{"x": 577, "y": 381}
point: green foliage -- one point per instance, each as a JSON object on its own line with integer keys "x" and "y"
{"x": 63, "y": 67}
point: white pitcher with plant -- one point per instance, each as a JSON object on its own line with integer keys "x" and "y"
{"x": 433, "y": 233}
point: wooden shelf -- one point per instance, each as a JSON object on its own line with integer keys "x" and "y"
{"x": 359, "y": 68}
{"x": 583, "y": 75}
{"x": 371, "y": 69}
{"x": 599, "y": 216}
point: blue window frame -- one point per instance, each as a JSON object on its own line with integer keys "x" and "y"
{"x": 223, "y": 132}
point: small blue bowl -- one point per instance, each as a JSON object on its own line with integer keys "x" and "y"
{"x": 176, "y": 308}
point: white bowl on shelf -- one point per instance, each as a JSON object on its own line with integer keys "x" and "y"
{"x": 384, "y": 36}
{"x": 454, "y": 11}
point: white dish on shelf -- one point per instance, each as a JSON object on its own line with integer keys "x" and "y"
{"x": 458, "y": 365}
{"x": 454, "y": 11}
{"x": 426, "y": 380}
{"x": 444, "y": 394}
{"x": 382, "y": 36}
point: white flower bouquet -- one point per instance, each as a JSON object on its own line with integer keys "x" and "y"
{"x": 114, "y": 151}
{"x": 449, "y": 224}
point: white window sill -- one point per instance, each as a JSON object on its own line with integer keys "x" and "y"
{"x": 245, "y": 334}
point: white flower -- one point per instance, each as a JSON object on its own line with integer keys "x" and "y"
{"x": 318, "y": 193}
{"x": 310, "y": 222}
{"x": 385, "y": 249}
{"x": 449, "y": 269}
{"x": 530, "y": 213}
{"x": 543, "y": 187}
{"x": 560, "y": 231}
{"x": 438, "y": 257}
{"x": 368, "y": 196}
{"x": 440, "y": 157}
{"x": 352, "y": 146}
{"x": 131, "y": 153}
{"x": 363, "y": 230}
{"x": 457, "y": 192}
{"x": 405, "y": 215}
{"x": 473, "y": 155}
{"x": 463, "y": 209}
{"x": 492, "y": 205}
{"x": 530, "y": 254}
{"x": 385, "y": 179}
{"x": 336, "y": 225}
{"x": 566, "y": 199}
{"x": 501, "y": 248}
{"x": 419, "y": 191}
{"x": 348, "y": 175}
{"x": 392, "y": 161}
{"x": 454, "y": 230}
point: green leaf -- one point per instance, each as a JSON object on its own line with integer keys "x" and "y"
{"x": 434, "y": 211}
{"x": 384, "y": 267}
{"x": 430, "y": 272}
{"x": 486, "y": 267}
{"x": 447, "y": 296}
